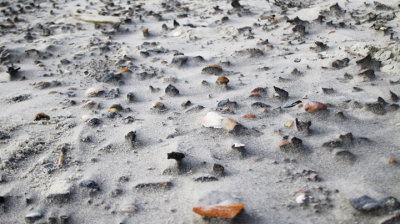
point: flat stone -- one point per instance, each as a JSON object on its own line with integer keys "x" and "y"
{"x": 365, "y": 204}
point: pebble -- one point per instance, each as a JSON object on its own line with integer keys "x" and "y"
{"x": 131, "y": 138}
{"x": 94, "y": 122}
{"x": 228, "y": 211}
{"x": 178, "y": 156}
{"x": 212, "y": 70}
{"x": 315, "y": 106}
{"x": 294, "y": 146}
{"x": 59, "y": 191}
{"x": 303, "y": 127}
{"x": 186, "y": 104}
{"x": 222, "y": 80}
{"x": 260, "y": 105}
{"x": 179, "y": 60}
{"x": 171, "y": 90}
{"x": 227, "y": 103}
{"x": 91, "y": 185}
{"x": 130, "y": 97}
{"x": 218, "y": 169}
{"x": 195, "y": 108}
{"x": 94, "y": 92}
{"x": 341, "y": 63}
{"x": 345, "y": 156}
{"x": 158, "y": 106}
{"x": 394, "y": 97}
{"x": 33, "y": 217}
{"x": 289, "y": 105}
{"x": 41, "y": 116}
{"x": 367, "y": 204}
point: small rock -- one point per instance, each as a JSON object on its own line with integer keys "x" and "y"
{"x": 341, "y": 63}
{"x": 235, "y": 4}
{"x": 178, "y": 156}
{"x": 33, "y": 217}
{"x": 94, "y": 92}
{"x": 230, "y": 125}
{"x": 171, "y": 90}
{"x": 93, "y": 122}
{"x": 222, "y": 80}
{"x": 212, "y": 69}
{"x": 281, "y": 94}
{"x": 315, "y": 106}
{"x": 345, "y": 156}
{"x": 227, "y": 103}
{"x": 303, "y": 127}
{"x": 206, "y": 179}
{"x": 195, "y": 108}
{"x": 289, "y": 105}
{"x": 131, "y": 138}
{"x": 179, "y": 60}
{"x": 249, "y": 53}
{"x": 376, "y": 108}
{"x": 129, "y": 209}
{"x": 159, "y": 107}
{"x": 130, "y": 97}
{"x": 219, "y": 169}
{"x": 260, "y": 105}
{"x": 367, "y": 75}
{"x": 13, "y": 72}
{"x": 220, "y": 211}
{"x": 328, "y": 90}
{"x": 41, "y": 116}
{"x": 186, "y": 104}
{"x": 90, "y": 185}
{"x": 394, "y": 97}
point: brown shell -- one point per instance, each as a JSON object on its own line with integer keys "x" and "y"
{"x": 223, "y": 80}
{"x": 249, "y": 116}
{"x": 314, "y": 106}
{"x": 220, "y": 211}
{"x": 258, "y": 90}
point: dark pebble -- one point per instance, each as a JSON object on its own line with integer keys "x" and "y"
{"x": 196, "y": 108}
{"x": 171, "y": 90}
{"x": 227, "y": 103}
{"x": 41, "y": 116}
{"x": 260, "y": 105}
{"x": 376, "y": 108}
{"x": 178, "y": 156}
{"x": 218, "y": 169}
{"x": 93, "y": 122}
{"x": 13, "y": 71}
{"x": 206, "y": 179}
{"x": 90, "y": 184}
{"x": 186, "y": 104}
{"x": 328, "y": 90}
{"x": 131, "y": 138}
{"x": 179, "y": 60}
{"x": 288, "y": 105}
{"x": 212, "y": 70}
{"x": 130, "y": 96}
{"x": 4, "y": 135}
{"x": 303, "y": 127}
{"x": 394, "y": 97}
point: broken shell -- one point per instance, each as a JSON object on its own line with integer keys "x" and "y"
{"x": 301, "y": 198}
{"x": 314, "y": 106}
{"x": 159, "y": 106}
{"x": 93, "y": 92}
{"x": 85, "y": 117}
{"x": 220, "y": 211}
{"x": 392, "y": 160}
{"x": 41, "y": 116}
{"x": 258, "y": 90}
{"x": 289, "y": 124}
{"x": 212, "y": 120}
{"x": 249, "y": 116}
{"x": 284, "y": 144}
{"x": 129, "y": 209}
{"x": 112, "y": 110}
{"x": 125, "y": 70}
{"x": 145, "y": 32}
{"x": 222, "y": 80}
{"x": 255, "y": 95}
{"x": 229, "y": 124}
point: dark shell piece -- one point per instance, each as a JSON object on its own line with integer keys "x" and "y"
{"x": 171, "y": 90}
{"x": 282, "y": 94}
{"x": 131, "y": 137}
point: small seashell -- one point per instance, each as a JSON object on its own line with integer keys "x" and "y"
{"x": 249, "y": 116}
{"x": 212, "y": 120}
{"x": 392, "y": 160}
{"x": 146, "y": 32}
{"x": 41, "y": 116}
{"x": 85, "y": 117}
{"x": 123, "y": 70}
{"x": 258, "y": 90}
{"x": 93, "y": 92}
{"x": 255, "y": 95}
{"x": 301, "y": 198}
{"x": 129, "y": 209}
{"x": 212, "y": 69}
{"x": 283, "y": 144}
{"x": 220, "y": 211}
{"x": 222, "y": 80}
{"x": 289, "y": 124}
{"x": 314, "y": 106}
{"x": 112, "y": 110}
{"x": 229, "y": 124}
{"x": 159, "y": 106}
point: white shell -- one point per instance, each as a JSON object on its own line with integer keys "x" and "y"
{"x": 301, "y": 198}
{"x": 85, "y": 117}
{"x": 91, "y": 92}
{"x": 212, "y": 120}
{"x": 238, "y": 145}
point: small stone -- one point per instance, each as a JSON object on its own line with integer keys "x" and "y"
{"x": 376, "y": 108}
{"x": 94, "y": 92}
{"x": 178, "y": 156}
{"x": 328, "y": 90}
{"x": 158, "y": 106}
{"x": 289, "y": 105}
{"x": 41, "y": 116}
{"x": 131, "y": 138}
{"x": 341, "y": 63}
{"x": 154, "y": 186}
{"x": 93, "y": 122}
{"x": 218, "y": 169}
{"x": 345, "y": 156}
{"x": 220, "y": 211}
{"x": 130, "y": 97}
{"x": 315, "y": 106}
{"x": 90, "y": 184}
{"x": 146, "y": 32}
{"x": 303, "y": 127}
{"x": 365, "y": 204}
{"x": 212, "y": 69}
{"x": 33, "y": 217}
{"x": 195, "y": 108}
{"x": 227, "y": 103}
{"x": 117, "y": 107}
{"x": 281, "y": 94}
{"x": 206, "y": 179}
{"x": 289, "y": 124}
{"x": 12, "y": 71}
{"x": 394, "y": 97}
{"x": 235, "y": 4}
{"x": 171, "y": 90}
{"x": 260, "y": 105}
{"x": 186, "y": 104}
{"x": 179, "y": 60}
{"x": 129, "y": 209}
{"x": 367, "y": 75}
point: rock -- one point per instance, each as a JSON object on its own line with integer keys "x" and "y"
{"x": 117, "y": 107}
{"x": 171, "y": 90}
{"x": 33, "y": 217}
{"x": 345, "y": 156}
{"x": 186, "y": 104}
{"x": 94, "y": 122}
{"x": 218, "y": 169}
{"x": 235, "y": 4}
{"x": 296, "y": 145}
{"x": 227, "y": 103}
{"x": 94, "y": 92}
{"x": 179, "y": 60}
{"x": 41, "y": 116}
{"x": 131, "y": 138}
{"x": 159, "y": 107}
{"x": 90, "y": 185}
{"x": 394, "y": 97}
{"x": 206, "y": 179}
{"x": 301, "y": 29}
{"x": 130, "y": 97}
{"x": 59, "y": 191}
{"x": 281, "y": 93}
{"x": 19, "y": 98}
{"x": 212, "y": 69}
{"x": 328, "y": 90}
{"x": 13, "y": 72}
{"x": 4, "y": 135}
{"x": 320, "y": 46}
{"x": 112, "y": 78}
{"x": 376, "y": 108}
{"x": 249, "y": 53}
{"x": 260, "y": 105}
{"x": 154, "y": 186}
{"x": 178, "y": 156}
{"x": 303, "y": 127}
{"x": 367, "y": 75}
{"x": 366, "y": 204}
{"x": 229, "y": 211}
{"x": 341, "y": 63}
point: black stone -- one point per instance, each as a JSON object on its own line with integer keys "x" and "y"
{"x": 227, "y": 103}
{"x": 187, "y": 103}
{"x": 365, "y": 204}
{"x": 394, "y": 97}
{"x": 368, "y": 75}
{"x": 341, "y": 63}
{"x": 13, "y": 71}
{"x": 235, "y": 4}
{"x": 131, "y": 137}
{"x": 171, "y": 90}
{"x": 178, "y": 156}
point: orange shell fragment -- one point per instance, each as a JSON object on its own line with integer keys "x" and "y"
{"x": 258, "y": 90}
{"x": 223, "y": 80}
{"x": 392, "y": 160}
{"x": 314, "y": 106}
{"x": 125, "y": 70}
{"x": 284, "y": 144}
{"x": 220, "y": 211}
{"x": 249, "y": 116}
